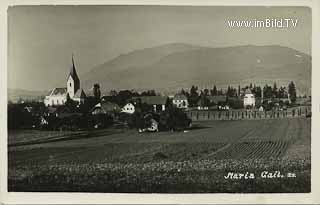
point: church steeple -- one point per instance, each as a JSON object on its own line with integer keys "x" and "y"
{"x": 73, "y": 83}
{"x": 73, "y": 72}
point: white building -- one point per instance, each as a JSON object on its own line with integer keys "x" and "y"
{"x": 180, "y": 101}
{"x": 128, "y": 108}
{"x": 158, "y": 103}
{"x": 249, "y": 99}
{"x": 58, "y": 96}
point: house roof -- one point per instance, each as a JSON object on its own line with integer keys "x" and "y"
{"x": 179, "y": 96}
{"x": 80, "y": 94}
{"x": 109, "y": 106}
{"x": 217, "y": 98}
{"x": 129, "y": 104}
{"x": 58, "y": 92}
{"x": 153, "y": 100}
{"x": 248, "y": 91}
{"x": 52, "y": 110}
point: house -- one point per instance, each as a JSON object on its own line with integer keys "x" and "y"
{"x": 128, "y": 108}
{"x": 152, "y": 124}
{"x": 223, "y": 107}
{"x": 303, "y": 101}
{"x": 158, "y": 103}
{"x": 79, "y": 97}
{"x": 43, "y": 121}
{"x": 152, "y": 128}
{"x": 283, "y": 100}
{"x": 203, "y": 103}
{"x": 249, "y": 99}
{"x": 261, "y": 108}
{"x": 105, "y": 108}
{"x": 52, "y": 111}
{"x": 217, "y": 99}
{"x": 212, "y": 102}
{"x": 65, "y": 112}
{"x": 180, "y": 101}
{"x": 58, "y": 96}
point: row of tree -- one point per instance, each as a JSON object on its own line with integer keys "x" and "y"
{"x": 268, "y": 92}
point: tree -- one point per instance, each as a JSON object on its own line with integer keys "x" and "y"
{"x": 96, "y": 91}
{"x": 193, "y": 98}
{"x": 206, "y": 92}
{"x": 123, "y": 96}
{"x": 113, "y": 93}
{"x": 174, "y": 119}
{"x": 214, "y": 91}
{"x": 148, "y": 93}
{"x": 220, "y": 92}
{"x": 71, "y": 104}
{"x": 204, "y": 101}
{"x": 275, "y": 90}
{"x": 185, "y": 93}
{"x": 228, "y": 91}
{"x": 292, "y": 91}
{"x": 267, "y": 91}
{"x": 282, "y": 92}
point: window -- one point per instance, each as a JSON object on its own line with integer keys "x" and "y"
{"x": 70, "y": 84}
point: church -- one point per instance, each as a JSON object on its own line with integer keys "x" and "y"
{"x": 59, "y": 96}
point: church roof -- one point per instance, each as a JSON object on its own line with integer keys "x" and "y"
{"x": 79, "y": 94}
{"x": 179, "y": 96}
{"x": 58, "y": 92}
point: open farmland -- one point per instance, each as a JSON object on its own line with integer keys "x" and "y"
{"x": 118, "y": 160}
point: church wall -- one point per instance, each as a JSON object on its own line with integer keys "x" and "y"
{"x": 54, "y": 100}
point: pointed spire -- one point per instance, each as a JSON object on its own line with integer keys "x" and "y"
{"x": 72, "y": 60}
{"x": 74, "y": 75}
{"x": 73, "y": 71}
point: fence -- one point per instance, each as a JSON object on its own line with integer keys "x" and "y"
{"x": 200, "y": 115}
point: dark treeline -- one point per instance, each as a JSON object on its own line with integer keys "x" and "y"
{"x": 123, "y": 96}
{"x": 269, "y": 91}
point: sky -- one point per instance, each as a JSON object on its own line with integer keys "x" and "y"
{"x": 42, "y": 39}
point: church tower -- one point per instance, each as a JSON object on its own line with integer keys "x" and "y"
{"x": 73, "y": 82}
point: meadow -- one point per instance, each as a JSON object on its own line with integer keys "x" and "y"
{"x": 191, "y": 161}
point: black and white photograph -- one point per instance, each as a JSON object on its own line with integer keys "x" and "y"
{"x": 166, "y": 99}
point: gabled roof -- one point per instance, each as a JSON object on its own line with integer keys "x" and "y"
{"x": 129, "y": 104}
{"x": 58, "y": 92}
{"x": 179, "y": 96}
{"x": 217, "y": 98}
{"x": 248, "y": 91}
{"x": 153, "y": 100}
{"x": 79, "y": 94}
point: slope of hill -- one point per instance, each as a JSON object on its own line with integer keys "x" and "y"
{"x": 175, "y": 66}
{"x": 14, "y": 95}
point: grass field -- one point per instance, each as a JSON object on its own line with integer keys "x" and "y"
{"x": 117, "y": 160}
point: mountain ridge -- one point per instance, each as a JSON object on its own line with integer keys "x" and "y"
{"x": 170, "y": 67}
{"x": 182, "y": 65}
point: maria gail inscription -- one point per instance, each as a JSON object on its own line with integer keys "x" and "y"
{"x": 263, "y": 175}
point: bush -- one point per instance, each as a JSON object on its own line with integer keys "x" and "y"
{"x": 98, "y": 121}
{"x": 173, "y": 119}
{"x": 18, "y": 118}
